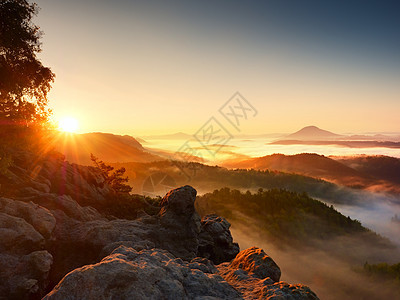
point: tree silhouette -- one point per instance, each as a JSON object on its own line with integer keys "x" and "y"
{"x": 115, "y": 179}
{"x": 24, "y": 81}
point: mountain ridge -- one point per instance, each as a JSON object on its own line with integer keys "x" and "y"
{"x": 107, "y": 146}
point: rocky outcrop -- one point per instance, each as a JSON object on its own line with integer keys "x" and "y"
{"x": 24, "y": 276}
{"x": 39, "y": 217}
{"x": 256, "y": 276}
{"x": 48, "y": 229}
{"x": 215, "y": 240}
{"x": 50, "y": 173}
{"x": 148, "y": 274}
{"x": 157, "y": 274}
{"x": 24, "y": 264}
{"x": 177, "y": 228}
{"x": 179, "y": 222}
{"x": 257, "y": 264}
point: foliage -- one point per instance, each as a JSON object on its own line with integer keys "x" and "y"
{"x": 24, "y": 81}
{"x": 5, "y": 160}
{"x": 115, "y": 179}
{"x": 128, "y": 207}
{"x": 282, "y": 214}
{"x": 207, "y": 178}
{"x": 383, "y": 270}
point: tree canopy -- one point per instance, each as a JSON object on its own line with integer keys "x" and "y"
{"x": 24, "y": 81}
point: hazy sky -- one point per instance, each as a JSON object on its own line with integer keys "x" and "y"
{"x": 143, "y": 67}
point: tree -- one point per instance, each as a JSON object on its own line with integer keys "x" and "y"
{"x": 115, "y": 179}
{"x": 24, "y": 81}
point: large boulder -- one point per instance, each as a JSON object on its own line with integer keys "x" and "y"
{"x": 18, "y": 236}
{"x": 148, "y": 274}
{"x": 25, "y": 276}
{"x": 24, "y": 264}
{"x": 257, "y": 264}
{"x": 215, "y": 240}
{"x": 157, "y": 274}
{"x": 180, "y": 223}
{"x": 64, "y": 203}
{"x": 39, "y": 217}
{"x": 256, "y": 276}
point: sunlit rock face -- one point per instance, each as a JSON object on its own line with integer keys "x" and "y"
{"x": 179, "y": 223}
{"x": 257, "y": 264}
{"x": 256, "y": 276}
{"x": 157, "y": 274}
{"x": 148, "y": 274}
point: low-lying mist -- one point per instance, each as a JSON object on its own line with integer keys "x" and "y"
{"x": 375, "y": 211}
{"x": 331, "y": 278}
{"x": 311, "y": 242}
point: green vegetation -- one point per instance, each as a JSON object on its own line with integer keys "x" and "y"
{"x": 115, "y": 179}
{"x": 5, "y": 161}
{"x": 24, "y": 81}
{"x": 293, "y": 220}
{"x": 121, "y": 204}
{"x": 383, "y": 271}
{"x": 207, "y": 178}
{"x": 282, "y": 214}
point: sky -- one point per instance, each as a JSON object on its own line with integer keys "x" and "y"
{"x": 154, "y": 67}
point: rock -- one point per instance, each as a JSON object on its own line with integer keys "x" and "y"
{"x": 179, "y": 201}
{"x": 203, "y": 264}
{"x": 257, "y": 264}
{"x": 256, "y": 276}
{"x": 180, "y": 223}
{"x": 84, "y": 184}
{"x": 138, "y": 246}
{"x": 148, "y": 274}
{"x": 24, "y": 277}
{"x": 18, "y": 236}
{"x": 78, "y": 243}
{"x": 157, "y": 274}
{"x": 24, "y": 265}
{"x": 283, "y": 290}
{"x": 50, "y": 173}
{"x": 41, "y": 262}
{"x": 176, "y": 229}
{"x": 64, "y": 203}
{"x": 215, "y": 240}
{"x": 39, "y": 217}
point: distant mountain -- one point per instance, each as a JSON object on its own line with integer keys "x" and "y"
{"x": 108, "y": 147}
{"x": 366, "y": 172}
{"x": 308, "y": 164}
{"x": 312, "y": 133}
{"x": 382, "y": 167}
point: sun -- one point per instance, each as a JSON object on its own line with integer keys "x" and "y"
{"x": 68, "y": 124}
